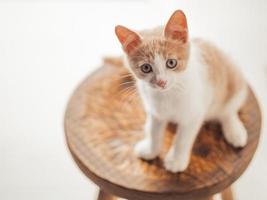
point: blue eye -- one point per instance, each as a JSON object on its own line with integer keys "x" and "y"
{"x": 171, "y": 63}
{"x": 146, "y": 68}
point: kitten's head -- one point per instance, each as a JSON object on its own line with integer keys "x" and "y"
{"x": 157, "y": 60}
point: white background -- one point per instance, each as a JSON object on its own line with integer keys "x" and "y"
{"x": 48, "y": 47}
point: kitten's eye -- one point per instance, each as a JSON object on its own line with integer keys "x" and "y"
{"x": 171, "y": 63}
{"x": 146, "y": 68}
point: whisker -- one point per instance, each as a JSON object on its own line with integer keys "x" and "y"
{"x": 125, "y": 90}
{"x": 126, "y": 95}
{"x": 129, "y": 98}
{"x": 122, "y": 78}
{"x": 180, "y": 87}
{"x": 133, "y": 96}
{"x": 126, "y": 75}
{"x": 121, "y": 93}
{"x": 127, "y": 82}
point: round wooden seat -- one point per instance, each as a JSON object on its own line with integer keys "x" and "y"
{"x": 104, "y": 120}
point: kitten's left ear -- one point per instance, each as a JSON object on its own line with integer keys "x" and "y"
{"x": 128, "y": 39}
{"x": 176, "y": 27}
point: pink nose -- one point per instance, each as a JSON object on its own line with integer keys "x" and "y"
{"x": 161, "y": 83}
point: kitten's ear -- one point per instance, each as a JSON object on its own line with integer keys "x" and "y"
{"x": 128, "y": 39}
{"x": 176, "y": 27}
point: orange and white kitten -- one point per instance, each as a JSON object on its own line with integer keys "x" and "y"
{"x": 182, "y": 81}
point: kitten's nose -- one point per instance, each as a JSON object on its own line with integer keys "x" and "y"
{"x": 161, "y": 83}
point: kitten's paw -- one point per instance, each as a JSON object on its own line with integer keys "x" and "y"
{"x": 144, "y": 150}
{"x": 238, "y": 139}
{"x": 174, "y": 164}
{"x": 236, "y": 134}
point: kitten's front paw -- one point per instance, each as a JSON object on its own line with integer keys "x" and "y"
{"x": 236, "y": 134}
{"x": 174, "y": 164}
{"x": 238, "y": 139}
{"x": 144, "y": 150}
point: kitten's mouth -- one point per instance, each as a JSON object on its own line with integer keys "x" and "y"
{"x": 161, "y": 89}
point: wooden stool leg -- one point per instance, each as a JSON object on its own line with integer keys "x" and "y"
{"x": 227, "y": 194}
{"x": 105, "y": 196}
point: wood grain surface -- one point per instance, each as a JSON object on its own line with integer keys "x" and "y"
{"x": 103, "y": 121}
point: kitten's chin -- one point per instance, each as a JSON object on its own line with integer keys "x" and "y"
{"x": 163, "y": 89}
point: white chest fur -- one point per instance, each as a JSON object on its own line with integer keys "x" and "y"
{"x": 189, "y": 96}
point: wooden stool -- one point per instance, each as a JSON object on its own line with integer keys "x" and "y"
{"x": 103, "y": 122}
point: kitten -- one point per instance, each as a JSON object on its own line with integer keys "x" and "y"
{"x": 185, "y": 82}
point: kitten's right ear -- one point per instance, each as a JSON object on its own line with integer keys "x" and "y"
{"x": 128, "y": 39}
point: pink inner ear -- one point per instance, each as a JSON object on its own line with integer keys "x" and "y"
{"x": 177, "y": 33}
{"x": 129, "y": 39}
{"x": 176, "y": 27}
{"x": 131, "y": 42}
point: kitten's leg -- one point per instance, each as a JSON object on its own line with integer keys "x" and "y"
{"x": 150, "y": 146}
{"x": 234, "y": 130}
{"x": 178, "y": 157}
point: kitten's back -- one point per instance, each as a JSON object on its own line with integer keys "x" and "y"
{"x": 224, "y": 76}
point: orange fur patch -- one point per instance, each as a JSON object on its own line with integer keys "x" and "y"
{"x": 223, "y": 75}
